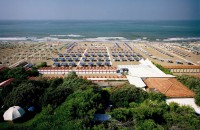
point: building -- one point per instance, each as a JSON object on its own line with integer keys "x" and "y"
{"x": 170, "y": 87}
{"x": 137, "y": 73}
{"x": 173, "y": 90}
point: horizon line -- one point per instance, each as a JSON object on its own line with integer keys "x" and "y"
{"x": 99, "y": 19}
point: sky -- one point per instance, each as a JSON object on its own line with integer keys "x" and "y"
{"x": 100, "y": 9}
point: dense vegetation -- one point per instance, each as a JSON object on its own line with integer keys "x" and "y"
{"x": 71, "y": 103}
{"x": 42, "y": 64}
{"x": 192, "y": 83}
{"x": 166, "y": 71}
{"x": 18, "y": 73}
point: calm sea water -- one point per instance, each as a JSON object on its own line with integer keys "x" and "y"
{"x": 131, "y": 30}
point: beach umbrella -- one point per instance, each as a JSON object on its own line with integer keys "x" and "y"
{"x": 101, "y": 117}
{"x": 13, "y": 113}
{"x": 31, "y": 109}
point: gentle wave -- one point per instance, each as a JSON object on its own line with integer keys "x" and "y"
{"x": 62, "y": 39}
{"x": 73, "y": 35}
{"x": 58, "y": 35}
{"x": 107, "y": 39}
{"x": 182, "y": 39}
{"x": 69, "y": 35}
{"x": 47, "y": 39}
{"x": 97, "y": 39}
{"x": 78, "y": 29}
{"x": 13, "y": 38}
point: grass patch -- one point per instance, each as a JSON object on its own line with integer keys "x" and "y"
{"x": 166, "y": 71}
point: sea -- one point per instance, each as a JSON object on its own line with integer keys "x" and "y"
{"x": 99, "y": 30}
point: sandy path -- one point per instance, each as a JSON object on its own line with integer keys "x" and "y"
{"x": 82, "y": 57}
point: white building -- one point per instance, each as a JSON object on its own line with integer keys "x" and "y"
{"x": 144, "y": 70}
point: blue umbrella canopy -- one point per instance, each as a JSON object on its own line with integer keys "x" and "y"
{"x": 31, "y": 109}
{"x": 101, "y": 117}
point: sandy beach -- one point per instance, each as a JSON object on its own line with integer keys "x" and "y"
{"x": 115, "y": 53}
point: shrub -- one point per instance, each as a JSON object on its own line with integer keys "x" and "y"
{"x": 122, "y": 96}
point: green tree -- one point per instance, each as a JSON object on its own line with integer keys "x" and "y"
{"x": 192, "y": 83}
{"x": 121, "y": 114}
{"x": 80, "y": 106}
{"x": 197, "y": 98}
{"x": 149, "y": 125}
{"x": 18, "y": 73}
{"x": 42, "y": 64}
{"x": 166, "y": 71}
{"x": 122, "y": 96}
{"x": 3, "y": 74}
{"x": 56, "y": 82}
{"x": 33, "y": 72}
{"x": 181, "y": 118}
{"x": 148, "y": 109}
{"x": 156, "y": 96}
{"x": 55, "y": 96}
{"x": 26, "y": 94}
{"x": 72, "y": 75}
{"x": 6, "y": 90}
{"x": 105, "y": 99}
{"x": 75, "y": 82}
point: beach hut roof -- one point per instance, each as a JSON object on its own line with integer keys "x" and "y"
{"x": 99, "y": 63}
{"x": 60, "y": 55}
{"x": 107, "y": 63}
{"x": 91, "y": 64}
{"x": 72, "y": 64}
{"x": 61, "y": 58}
{"x": 64, "y": 64}
{"x": 56, "y": 64}
{"x": 55, "y": 59}
{"x": 82, "y": 63}
{"x": 69, "y": 58}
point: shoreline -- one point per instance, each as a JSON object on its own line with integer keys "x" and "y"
{"x": 81, "y": 38}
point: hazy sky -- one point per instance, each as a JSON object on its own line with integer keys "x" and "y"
{"x": 100, "y": 9}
